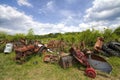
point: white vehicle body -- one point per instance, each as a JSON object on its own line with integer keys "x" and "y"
{"x": 8, "y": 48}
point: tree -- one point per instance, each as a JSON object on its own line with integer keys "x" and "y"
{"x": 30, "y": 34}
{"x": 117, "y": 31}
{"x": 3, "y": 34}
{"x": 18, "y": 36}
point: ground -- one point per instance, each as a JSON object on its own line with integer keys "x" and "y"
{"x": 36, "y": 69}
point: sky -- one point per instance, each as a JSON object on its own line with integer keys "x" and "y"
{"x": 58, "y": 16}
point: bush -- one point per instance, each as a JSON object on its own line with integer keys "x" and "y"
{"x": 2, "y": 46}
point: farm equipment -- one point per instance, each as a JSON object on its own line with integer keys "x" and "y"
{"x": 50, "y": 58}
{"x": 98, "y": 44}
{"x": 8, "y": 48}
{"x": 108, "y": 49}
{"x": 92, "y": 62}
{"x": 23, "y": 52}
{"x": 66, "y": 61}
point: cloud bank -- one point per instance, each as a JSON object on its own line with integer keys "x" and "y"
{"x": 102, "y": 14}
{"x": 18, "y": 22}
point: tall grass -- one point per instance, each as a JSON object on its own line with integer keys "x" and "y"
{"x": 9, "y": 70}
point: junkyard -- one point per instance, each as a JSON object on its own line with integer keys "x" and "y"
{"x": 59, "y": 39}
{"x": 58, "y": 58}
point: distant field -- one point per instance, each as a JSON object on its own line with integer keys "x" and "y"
{"x": 9, "y": 70}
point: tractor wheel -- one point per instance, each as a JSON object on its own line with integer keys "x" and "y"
{"x": 90, "y": 72}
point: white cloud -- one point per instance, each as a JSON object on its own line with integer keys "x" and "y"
{"x": 66, "y": 17}
{"x": 69, "y": 17}
{"x": 103, "y": 10}
{"x": 90, "y": 25}
{"x": 49, "y": 7}
{"x": 5, "y": 30}
{"x": 98, "y": 16}
{"x": 24, "y": 3}
{"x": 103, "y": 13}
{"x": 66, "y": 13}
{"x": 18, "y": 22}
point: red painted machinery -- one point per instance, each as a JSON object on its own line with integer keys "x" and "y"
{"x": 92, "y": 62}
{"x": 80, "y": 56}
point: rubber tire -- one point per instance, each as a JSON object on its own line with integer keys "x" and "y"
{"x": 90, "y": 72}
{"x": 109, "y": 51}
{"x": 40, "y": 50}
{"x": 114, "y": 45}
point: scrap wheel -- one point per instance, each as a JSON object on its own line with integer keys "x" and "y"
{"x": 90, "y": 72}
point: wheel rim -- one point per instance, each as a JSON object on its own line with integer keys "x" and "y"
{"x": 90, "y": 72}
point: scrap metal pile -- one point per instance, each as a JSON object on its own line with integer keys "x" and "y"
{"x": 24, "y": 50}
{"x": 108, "y": 49}
{"x": 86, "y": 57}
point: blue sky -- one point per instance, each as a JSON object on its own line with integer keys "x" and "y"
{"x": 53, "y": 16}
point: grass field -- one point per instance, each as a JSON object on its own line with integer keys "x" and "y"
{"x": 9, "y": 70}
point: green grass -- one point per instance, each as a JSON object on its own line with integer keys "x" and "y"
{"x": 115, "y": 62}
{"x": 9, "y": 70}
